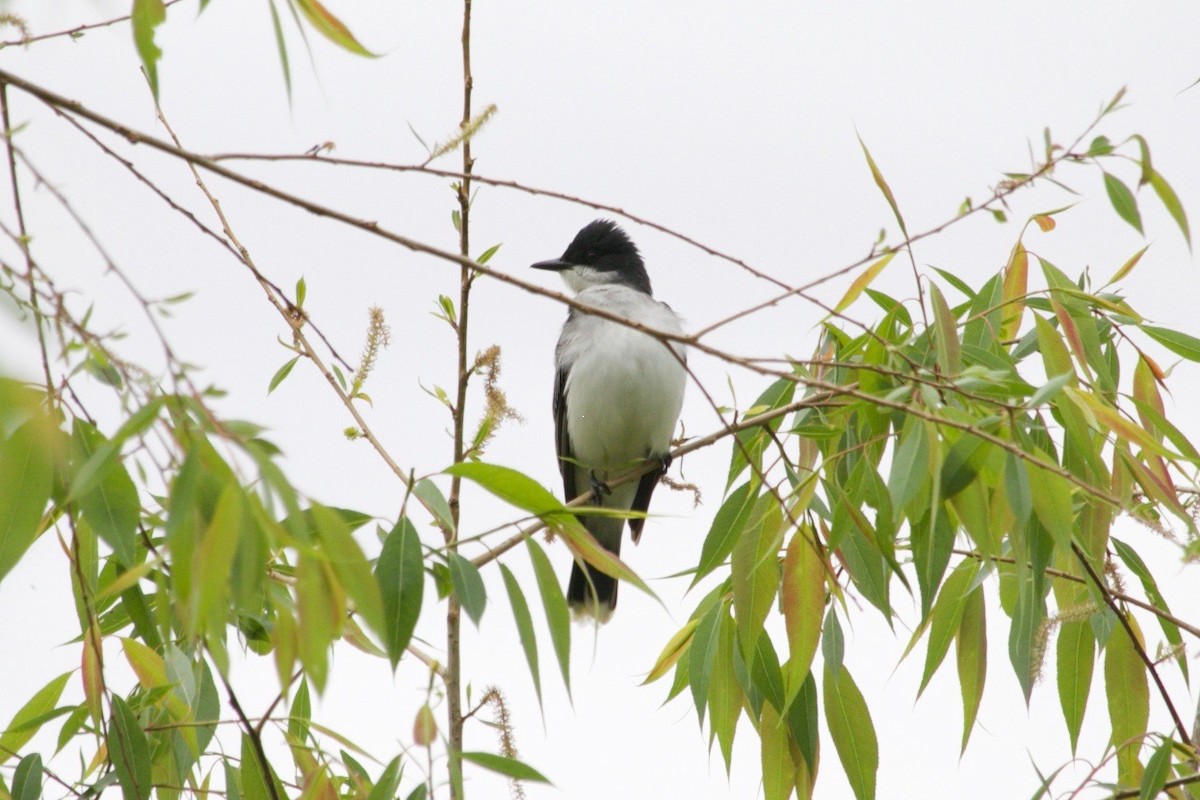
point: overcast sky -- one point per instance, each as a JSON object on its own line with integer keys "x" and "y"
{"x": 733, "y": 124}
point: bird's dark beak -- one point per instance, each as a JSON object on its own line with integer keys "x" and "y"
{"x": 555, "y": 264}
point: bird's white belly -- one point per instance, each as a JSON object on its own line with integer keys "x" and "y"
{"x": 623, "y": 396}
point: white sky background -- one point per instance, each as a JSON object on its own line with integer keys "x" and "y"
{"x": 734, "y": 125}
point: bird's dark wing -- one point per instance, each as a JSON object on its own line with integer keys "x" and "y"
{"x": 641, "y": 500}
{"x": 562, "y": 439}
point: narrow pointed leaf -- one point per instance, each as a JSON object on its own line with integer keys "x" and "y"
{"x": 862, "y": 282}
{"x": 400, "y": 573}
{"x": 852, "y": 731}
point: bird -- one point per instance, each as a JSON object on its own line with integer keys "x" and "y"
{"x": 618, "y": 393}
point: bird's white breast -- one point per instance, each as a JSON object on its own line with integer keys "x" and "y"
{"x": 624, "y": 388}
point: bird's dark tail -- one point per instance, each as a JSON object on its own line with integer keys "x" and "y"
{"x": 591, "y": 593}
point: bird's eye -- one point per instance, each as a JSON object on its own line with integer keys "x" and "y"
{"x": 590, "y": 255}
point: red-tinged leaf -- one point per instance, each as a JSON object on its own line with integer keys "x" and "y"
{"x": 1045, "y": 222}
{"x": 1109, "y": 419}
{"x": 862, "y": 282}
{"x": 778, "y": 771}
{"x": 583, "y": 545}
{"x": 1123, "y": 201}
{"x": 1071, "y": 333}
{"x": 1128, "y": 266}
{"x": 883, "y": 187}
{"x": 1171, "y": 200}
{"x": 147, "y": 15}
{"x": 803, "y": 599}
{"x": 1152, "y": 486}
{"x": 852, "y": 731}
{"x": 331, "y": 27}
{"x": 1076, "y": 659}
{"x": 1056, "y": 359}
{"x": 970, "y": 644}
{"x": 1016, "y": 283}
{"x": 1128, "y": 701}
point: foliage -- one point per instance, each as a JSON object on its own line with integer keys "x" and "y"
{"x": 978, "y": 440}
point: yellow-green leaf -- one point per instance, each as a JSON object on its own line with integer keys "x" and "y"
{"x": 803, "y": 598}
{"x": 1128, "y": 266}
{"x": 862, "y": 282}
{"x": 1076, "y": 658}
{"x": 779, "y": 773}
{"x": 147, "y": 15}
{"x": 949, "y": 348}
{"x": 970, "y": 644}
{"x": 1016, "y": 286}
{"x": 852, "y": 731}
{"x": 673, "y": 650}
{"x": 1128, "y": 701}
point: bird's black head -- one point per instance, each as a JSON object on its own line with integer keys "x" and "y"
{"x": 600, "y": 253}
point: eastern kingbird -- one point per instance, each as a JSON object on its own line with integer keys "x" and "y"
{"x": 617, "y": 394}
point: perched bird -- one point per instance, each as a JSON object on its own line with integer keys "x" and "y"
{"x": 617, "y": 394}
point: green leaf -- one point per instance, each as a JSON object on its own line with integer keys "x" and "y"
{"x": 946, "y": 616}
{"x": 251, "y": 780}
{"x": 468, "y": 586}
{"x": 1076, "y": 658}
{"x": 26, "y": 479}
{"x": 146, "y": 17}
{"x": 281, "y": 374}
{"x": 513, "y": 487}
{"x": 129, "y": 751}
{"x": 112, "y": 507}
{"x": 1132, "y": 560}
{"x": 1158, "y": 769}
{"x": 434, "y": 501}
{"x": 400, "y": 574}
{"x": 517, "y": 770}
{"x": 1123, "y": 201}
{"x": 301, "y": 285}
{"x": 21, "y": 728}
{"x": 949, "y": 346}
{"x": 852, "y": 731}
{"x": 777, "y": 769}
{"x": 726, "y": 527}
{"x": 331, "y": 27}
{"x": 300, "y": 714}
{"x": 755, "y": 570}
{"x": 558, "y": 615}
{"x": 1179, "y": 343}
{"x": 1128, "y": 702}
{"x": 910, "y": 465}
{"x": 27, "y": 779}
{"x": 725, "y": 696}
{"x": 389, "y": 782}
{"x": 703, "y": 654}
{"x": 87, "y": 476}
{"x": 1171, "y": 200}
{"x": 520, "y": 608}
{"x": 351, "y": 566}
{"x": 970, "y": 644}
{"x": 1128, "y": 266}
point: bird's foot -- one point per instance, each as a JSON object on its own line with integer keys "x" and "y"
{"x": 600, "y": 489}
{"x": 665, "y": 461}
